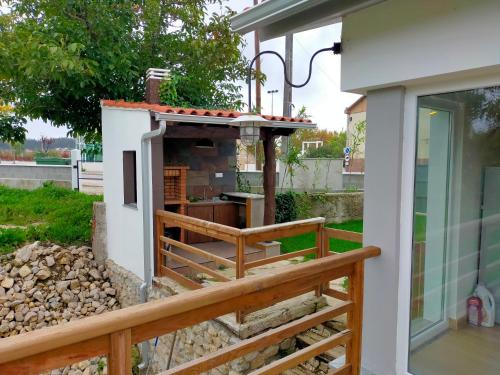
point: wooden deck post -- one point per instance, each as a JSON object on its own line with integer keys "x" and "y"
{"x": 269, "y": 177}
{"x": 120, "y": 356}
{"x": 355, "y": 317}
{"x": 158, "y": 258}
{"x": 320, "y": 253}
{"x": 240, "y": 268}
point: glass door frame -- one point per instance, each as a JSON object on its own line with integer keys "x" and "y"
{"x": 407, "y": 198}
{"x": 454, "y": 152}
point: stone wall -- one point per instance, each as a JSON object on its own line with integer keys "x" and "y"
{"x": 30, "y": 176}
{"x": 204, "y": 163}
{"x": 334, "y": 207}
{"x": 353, "y": 181}
{"x": 126, "y": 283}
{"x": 99, "y": 232}
{"x": 316, "y": 175}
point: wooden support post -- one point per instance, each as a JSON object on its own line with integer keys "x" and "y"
{"x": 269, "y": 176}
{"x": 120, "y": 356}
{"x": 319, "y": 253}
{"x": 158, "y": 259}
{"x": 240, "y": 268}
{"x": 355, "y": 317}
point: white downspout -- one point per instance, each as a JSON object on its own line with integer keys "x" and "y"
{"x": 146, "y": 227}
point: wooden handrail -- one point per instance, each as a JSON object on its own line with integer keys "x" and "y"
{"x": 345, "y": 235}
{"x": 112, "y": 333}
{"x": 172, "y": 216}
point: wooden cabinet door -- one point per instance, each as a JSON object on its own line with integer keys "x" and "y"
{"x": 226, "y": 214}
{"x": 204, "y": 212}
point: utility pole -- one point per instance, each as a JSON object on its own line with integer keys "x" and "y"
{"x": 287, "y": 94}
{"x": 258, "y": 95}
{"x": 287, "y": 89}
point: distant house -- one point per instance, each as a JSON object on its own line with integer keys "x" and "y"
{"x": 356, "y": 113}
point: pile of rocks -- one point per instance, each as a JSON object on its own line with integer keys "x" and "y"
{"x": 45, "y": 285}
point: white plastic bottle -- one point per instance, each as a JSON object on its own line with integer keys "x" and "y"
{"x": 488, "y": 305}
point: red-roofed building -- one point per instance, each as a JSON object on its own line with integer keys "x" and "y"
{"x": 200, "y": 143}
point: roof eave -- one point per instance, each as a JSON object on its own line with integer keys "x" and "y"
{"x": 178, "y": 118}
{"x": 274, "y": 18}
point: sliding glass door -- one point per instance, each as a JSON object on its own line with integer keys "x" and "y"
{"x": 456, "y": 234}
{"x": 430, "y": 219}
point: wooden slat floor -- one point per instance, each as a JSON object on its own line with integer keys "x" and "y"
{"x": 467, "y": 351}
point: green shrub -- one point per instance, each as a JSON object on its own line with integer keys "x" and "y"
{"x": 286, "y": 207}
{"x": 11, "y": 238}
{"x": 49, "y": 213}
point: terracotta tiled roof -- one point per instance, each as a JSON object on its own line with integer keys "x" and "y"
{"x": 192, "y": 111}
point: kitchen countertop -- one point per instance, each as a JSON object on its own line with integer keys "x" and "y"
{"x": 244, "y": 195}
{"x": 209, "y": 202}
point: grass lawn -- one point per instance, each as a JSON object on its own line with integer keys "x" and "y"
{"x": 308, "y": 240}
{"x": 48, "y": 213}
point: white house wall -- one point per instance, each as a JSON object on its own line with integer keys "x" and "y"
{"x": 121, "y": 131}
{"x": 399, "y": 41}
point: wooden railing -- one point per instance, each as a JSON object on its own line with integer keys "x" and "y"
{"x": 239, "y": 237}
{"x": 112, "y": 334}
{"x": 339, "y": 234}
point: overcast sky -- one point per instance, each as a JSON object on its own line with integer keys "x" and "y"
{"x": 322, "y": 96}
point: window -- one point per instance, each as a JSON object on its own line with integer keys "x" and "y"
{"x": 129, "y": 178}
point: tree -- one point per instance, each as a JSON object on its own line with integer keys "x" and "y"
{"x": 59, "y": 58}
{"x": 12, "y": 128}
{"x": 45, "y": 143}
{"x": 292, "y": 161}
{"x": 358, "y": 136}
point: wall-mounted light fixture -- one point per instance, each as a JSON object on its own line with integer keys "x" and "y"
{"x": 248, "y": 123}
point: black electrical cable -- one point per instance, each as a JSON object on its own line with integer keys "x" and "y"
{"x": 336, "y": 49}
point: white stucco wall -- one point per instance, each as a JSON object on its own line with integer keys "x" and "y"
{"x": 399, "y": 41}
{"x": 121, "y": 131}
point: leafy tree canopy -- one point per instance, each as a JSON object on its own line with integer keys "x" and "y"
{"x": 11, "y": 127}
{"x": 58, "y": 58}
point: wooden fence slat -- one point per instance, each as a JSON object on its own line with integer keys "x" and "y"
{"x": 210, "y": 232}
{"x": 270, "y": 337}
{"x": 120, "y": 355}
{"x": 194, "y": 250}
{"x": 292, "y": 360}
{"x": 280, "y": 232}
{"x": 277, "y": 258}
{"x": 184, "y": 281}
{"x": 344, "y": 370}
{"x": 336, "y": 294}
{"x": 60, "y": 357}
{"x": 172, "y": 216}
{"x": 196, "y": 266}
{"x": 345, "y": 235}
